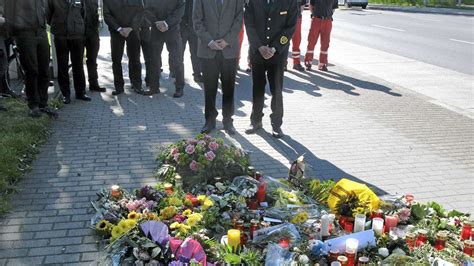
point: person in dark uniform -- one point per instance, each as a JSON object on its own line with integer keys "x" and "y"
{"x": 168, "y": 16}
{"x": 321, "y": 25}
{"x": 26, "y": 23}
{"x": 217, "y": 24}
{"x": 119, "y": 15}
{"x": 66, "y": 18}
{"x": 188, "y": 35}
{"x": 92, "y": 44}
{"x": 270, "y": 25}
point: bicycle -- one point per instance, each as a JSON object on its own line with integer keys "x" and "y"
{"x": 15, "y": 76}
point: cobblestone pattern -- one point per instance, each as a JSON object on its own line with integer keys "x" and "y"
{"x": 347, "y": 124}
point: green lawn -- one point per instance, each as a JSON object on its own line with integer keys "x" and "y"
{"x": 20, "y": 137}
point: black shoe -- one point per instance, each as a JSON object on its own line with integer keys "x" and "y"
{"x": 323, "y": 68}
{"x": 117, "y": 92}
{"x": 198, "y": 79}
{"x": 138, "y": 89}
{"x": 230, "y": 129}
{"x": 299, "y": 68}
{"x": 208, "y": 127}
{"x": 179, "y": 93}
{"x": 67, "y": 100}
{"x": 96, "y": 88}
{"x": 84, "y": 98}
{"x": 277, "y": 133}
{"x": 152, "y": 91}
{"x": 248, "y": 70}
{"x": 50, "y": 112}
{"x": 35, "y": 112}
{"x": 253, "y": 128}
{"x": 307, "y": 65}
{"x": 172, "y": 75}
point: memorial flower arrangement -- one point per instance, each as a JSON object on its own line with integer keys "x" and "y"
{"x": 258, "y": 220}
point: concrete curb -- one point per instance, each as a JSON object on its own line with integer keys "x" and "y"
{"x": 427, "y": 10}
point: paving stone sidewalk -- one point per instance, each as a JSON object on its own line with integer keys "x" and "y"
{"x": 347, "y": 124}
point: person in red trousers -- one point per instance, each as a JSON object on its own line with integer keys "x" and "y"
{"x": 321, "y": 25}
{"x": 296, "y": 39}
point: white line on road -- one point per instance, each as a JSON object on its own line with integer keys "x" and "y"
{"x": 387, "y": 28}
{"x": 454, "y": 40}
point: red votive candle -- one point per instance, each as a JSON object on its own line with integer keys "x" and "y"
{"x": 261, "y": 191}
{"x": 390, "y": 222}
{"x": 468, "y": 247}
{"x": 351, "y": 256}
{"x": 284, "y": 243}
{"x": 466, "y": 230}
{"x": 441, "y": 238}
{"x": 252, "y": 204}
{"x": 348, "y": 227}
{"x": 421, "y": 239}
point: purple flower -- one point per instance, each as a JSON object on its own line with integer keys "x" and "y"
{"x": 191, "y": 142}
{"x": 174, "y": 151}
{"x": 194, "y": 165}
{"x": 213, "y": 145}
{"x": 190, "y": 149}
{"x": 210, "y": 155}
{"x": 202, "y": 143}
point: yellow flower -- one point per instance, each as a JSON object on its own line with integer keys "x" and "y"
{"x": 207, "y": 204}
{"x": 130, "y": 223}
{"x": 103, "y": 226}
{"x": 168, "y": 213}
{"x": 151, "y": 215}
{"x": 201, "y": 198}
{"x": 134, "y": 215}
{"x": 175, "y": 201}
{"x": 184, "y": 228}
{"x": 188, "y": 203}
{"x": 300, "y": 218}
{"x": 175, "y": 225}
{"x": 116, "y": 232}
{"x": 123, "y": 225}
{"x": 196, "y": 216}
{"x": 191, "y": 221}
{"x": 187, "y": 212}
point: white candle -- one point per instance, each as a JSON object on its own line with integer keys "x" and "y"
{"x": 377, "y": 225}
{"x": 359, "y": 223}
{"x": 352, "y": 245}
{"x": 325, "y": 225}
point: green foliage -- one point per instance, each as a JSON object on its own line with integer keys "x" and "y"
{"x": 320, "y": 191}
{"x": 251, "y": 256}
{"x": 19, "y": 141}
{"x": 350, "y": 204}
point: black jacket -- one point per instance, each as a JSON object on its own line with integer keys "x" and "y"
{"x": 323, "y": 8}
{"x": 66, "y": 18}
{"x": 271, "y": 25}
{"x": 121, "y": 13}
{"x": 24, "y": 17}
{"x": 92, "y": 16}
{"x": 170, "y": 11}
{"x": 187, "y": 20}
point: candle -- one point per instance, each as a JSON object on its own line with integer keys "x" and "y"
{"x": 168, "y": 188}
{"x": 342, "y": 259}
{"x": 116, "y": 193}
{"x": 441, "y": 238}
{"x": 377, "y": 226}
{"x": 410, "y": 239}
{"x": 333, "y": 254}
{"x": 421, "y": 239}
{"x": 261, "y": 191}
{"x": 324, "y": 226}
{"x": 468, "y": 247}
{"x": 351, "y": 258}
{"x": 233, "y": 239}
{"x": 178, "y": 181}
{"x": 376, "y": 214}
{"x": 390, "y": 221}
{"x": 252, "y": 204}
{"x": 253, "y": 227}
{"x": 284, "y": 242}
{"x": 359, "y": 223}
{"x": 363, "y": 261}
{"x": 352, "y": 245}
{"x": 258, "y": 175}
{"x": 348, "y": 227}
{"x": 466, "y": 230}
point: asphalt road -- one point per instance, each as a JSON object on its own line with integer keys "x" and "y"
{"x": 442, "y": 40}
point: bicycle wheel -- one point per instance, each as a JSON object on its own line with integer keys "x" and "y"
{"x": 15, "y": 77}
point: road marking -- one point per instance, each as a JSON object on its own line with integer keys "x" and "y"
{"x": 387, "y": 28}
{"x": 454, "y": 40}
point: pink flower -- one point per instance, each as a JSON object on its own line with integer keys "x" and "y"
{"x": 189, "y": 149}
{"x": 213, "y": 145}
{"x": 191, "y": 141}
{"x": 194, "y": 165}
{"x": 174, "y": 151}
{"x": 210, "y": 155}
{"x": 202, "y": 143}
{"x": 404, "y": 214}
{"x": 176, "y": 157}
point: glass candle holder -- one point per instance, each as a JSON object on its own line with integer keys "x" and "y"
{"x": 233, "y": 239}
{"x": 377, "y": 226}
{"x": 253, "y": 227}
{"x": 178, "y": 181}
{"x": 363, "y": 261}
{"x": 390, "y": 221}
{"x": 333, "y": 255}
{"x": 359, "y": 223}
{"x": 410, "y": 239}
{"x": 352, "y": 245}
{"x": 343, "y": 260}
{"x": 421, "y": 238}
{"x": 168, "y": 188}
{"x": 258, "y": 175}
{"x": 115, "y": 191}
{"x": 468, "y": 247}
{"x": 351, "y": 257}
{"x": 441, "y": 238}
{"x": 466, "y": 230}
{"x": 251, "y": 171}
{"x": 376, "y": 214}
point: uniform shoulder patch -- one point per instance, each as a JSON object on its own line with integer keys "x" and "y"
{"x": 284, "y": 40}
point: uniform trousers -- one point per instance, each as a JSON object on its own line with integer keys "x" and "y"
{"x": 319, "y": 27}
{"x": 66, "y": 47}
{"x": 92, "y": 45}
{"x": 117, "y": 43}
{"x": 295, "y": 43}
{"x": 225, "y": 70}
{"x": 34, "y": 58}
{"x": 188, "y": 35}
{"x": 172, "y": 38}
{"x": 274, "y": 71}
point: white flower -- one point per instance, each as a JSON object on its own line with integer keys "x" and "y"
{"x": 399, "y": 251}
{"x": 384, "y": 252}
{"x": 303, "y": 259}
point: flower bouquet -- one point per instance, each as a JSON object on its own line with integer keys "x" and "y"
{"x": 200, "y": 159}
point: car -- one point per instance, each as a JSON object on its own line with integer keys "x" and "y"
{"x": 351, "y": 3}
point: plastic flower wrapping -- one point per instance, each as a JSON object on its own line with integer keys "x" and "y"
{"x": 231, "y": 217}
